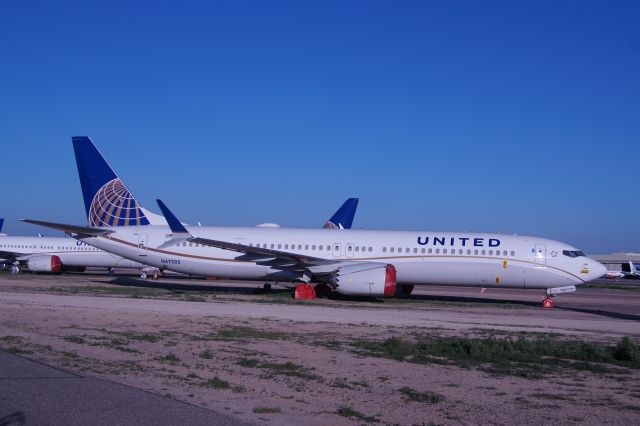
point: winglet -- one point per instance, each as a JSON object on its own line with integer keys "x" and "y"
{"x": 174, "y": 223}
{"x": 343, "y": 218}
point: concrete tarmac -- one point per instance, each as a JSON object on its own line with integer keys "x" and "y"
{"x": 32, "y": 393}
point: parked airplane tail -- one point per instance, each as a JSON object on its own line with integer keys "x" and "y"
{"x": 343, "y": 218}
{"x": 107, "y": 200}
{"x": 1, "y": 224}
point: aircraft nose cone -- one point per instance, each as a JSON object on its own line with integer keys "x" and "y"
{"x": 596, "y": 269}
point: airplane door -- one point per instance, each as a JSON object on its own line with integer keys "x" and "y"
{"x": 336, "y": 249}
{"x": 142, "y": 244}
{"x": 349, "y": 250}
{"x": 541, "y": 255}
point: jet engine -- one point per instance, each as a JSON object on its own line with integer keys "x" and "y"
{"x": 366, "y": 279}
{"x": 44, "y": 264}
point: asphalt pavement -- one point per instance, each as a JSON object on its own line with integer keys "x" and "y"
{"x": 32, "y": 393}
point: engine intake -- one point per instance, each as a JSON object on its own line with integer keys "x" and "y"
{"x": 367, "y": 279}
{"x": 44, "y": 264}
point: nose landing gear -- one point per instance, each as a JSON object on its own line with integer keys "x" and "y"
{"x": 548, "y": 303}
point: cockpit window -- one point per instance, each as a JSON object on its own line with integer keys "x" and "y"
{"x": 573, "y": 253}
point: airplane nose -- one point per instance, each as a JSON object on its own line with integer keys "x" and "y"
{"x": 596, "y": 269}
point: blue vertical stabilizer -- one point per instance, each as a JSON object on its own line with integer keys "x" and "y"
{"x": 106, "y": 199}
{"x": 343, "y": 218}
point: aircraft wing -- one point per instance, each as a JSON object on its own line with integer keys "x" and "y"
{"x": 9, "y": 256}
{"x": 79, "y": 231}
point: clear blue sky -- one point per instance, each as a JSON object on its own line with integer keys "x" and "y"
{"x": 512, "y": 116}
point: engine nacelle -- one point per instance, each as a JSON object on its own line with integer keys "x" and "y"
{"x": 367, "y": 279}
{"x": 44, "y": 264}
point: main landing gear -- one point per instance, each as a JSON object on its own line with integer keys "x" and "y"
{"x": 15, "y": 269}
{"x": 152, "y": 273}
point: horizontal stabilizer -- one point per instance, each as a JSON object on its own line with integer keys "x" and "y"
{"x": 71, "y": 229}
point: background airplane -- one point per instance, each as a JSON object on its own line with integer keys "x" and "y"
{"x": 57, "y": 254}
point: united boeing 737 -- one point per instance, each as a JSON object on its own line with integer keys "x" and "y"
{"x": 357, "y": 262}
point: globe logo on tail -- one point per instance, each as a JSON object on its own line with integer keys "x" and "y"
{"x": 113, "y": 205}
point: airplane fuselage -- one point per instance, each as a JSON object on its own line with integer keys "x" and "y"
{"x": 420, "y": 258}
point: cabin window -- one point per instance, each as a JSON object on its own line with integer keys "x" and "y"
{"x": 384, "y": 249}
{"x": 438, "y": 251}
{"x": 415, "y": 250}
{"x": 444, "y": 251}
{"x": 430, "y": 251}
{"x": 475, "y": 252}
{"x": 513, "y": 253}
{"x": 484, "y": 252}
{"x": 422, "y": 250}
{"x": 392, "y": 249}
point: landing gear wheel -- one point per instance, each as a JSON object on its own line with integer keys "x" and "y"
{"x": 143, "y": 275}
{"x": 267, "y": 288}
{"x": 547, "y": 303}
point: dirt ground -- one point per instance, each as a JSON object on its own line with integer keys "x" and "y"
{"x": 267, "y": 359}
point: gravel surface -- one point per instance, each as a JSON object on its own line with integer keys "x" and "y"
{"x": 264, "y": 358}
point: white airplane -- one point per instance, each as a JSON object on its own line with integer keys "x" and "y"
{"x": 627, "y": 269}
{"x": 615, "y": 274}
{"x": 57, "y": 254}
{"x": 357, "y": 262}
